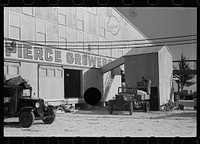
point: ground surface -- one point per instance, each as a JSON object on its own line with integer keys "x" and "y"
{"x": 97, "y": 122}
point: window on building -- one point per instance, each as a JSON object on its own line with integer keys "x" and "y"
{"x": 71, "y": 17}
{"x": 62, "y": 19}
{"x": 15, "y": 26}
{"x": 43, "y": 72}
{"x": 102, "y": 29}
{"x": 41, "y": 38}
{"x": 92, "y": 24}
{"x": 15, "y": 32}
{"x": 29, "y": 11}
{"x": 5, "y": 69}
{"x": 14, "y": 70}
{"x": 62, "y": 37}
{"x": 62, "y": 16}
{"x": 59, "y": 73}
{"x": 51, "y": 72}
{"x": 40, "y": 32}
{"x": 80, "y": 21}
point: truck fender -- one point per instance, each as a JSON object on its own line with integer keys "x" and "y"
{"x": 111, "y": 102}
{"x": 27, "y": 108}
{"x": 51, "y": 107}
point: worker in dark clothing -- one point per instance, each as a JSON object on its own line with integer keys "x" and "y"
{"x": 147, "y": 84}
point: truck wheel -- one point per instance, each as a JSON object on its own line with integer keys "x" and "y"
{"x": 51, "y": 119}
{"x": 26, "y": 119}
{"x": 110, "y": 111}
{"x": 146, "y": 106}
{"x": 131, "y": 108}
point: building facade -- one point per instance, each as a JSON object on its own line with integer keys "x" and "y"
{"x": 59, "y": 50}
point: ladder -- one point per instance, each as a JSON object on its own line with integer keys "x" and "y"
{"x": 108, "y": 83}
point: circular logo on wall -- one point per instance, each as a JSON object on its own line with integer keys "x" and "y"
{"x": 113, "y": 25}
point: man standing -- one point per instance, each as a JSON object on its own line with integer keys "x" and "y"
{"x": 147, "y": 84}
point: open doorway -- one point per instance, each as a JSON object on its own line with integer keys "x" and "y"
{"x": 72, "y": 83}
{"x": 154, "y": 105}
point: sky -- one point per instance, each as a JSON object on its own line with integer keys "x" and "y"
{"x": 158, "y": 22}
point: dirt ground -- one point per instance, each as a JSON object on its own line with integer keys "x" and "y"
{"x": 97, "y": 122}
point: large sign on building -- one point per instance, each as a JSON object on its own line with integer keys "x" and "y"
{"x": 113, "y": 25}
{"x": 37, "y": 53}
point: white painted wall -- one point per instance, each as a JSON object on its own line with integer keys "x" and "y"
{"x": 51, "y": 83}
{"x": 165, "y": 75}
{"x": 92, "y": 23}
{"x": 29, "y": 71}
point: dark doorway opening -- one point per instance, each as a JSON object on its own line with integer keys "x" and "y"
{"x": 72, "y": 83}
{"x": 154, "y": 99}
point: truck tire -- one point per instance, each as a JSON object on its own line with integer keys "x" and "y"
{"x": 51, "y": 119}
{"x": 26, "y": 119}
{"x": 131, "y": 108}
{"x": 110, "y": 111}
{"x": 181, "y": 107}
{"x": 146, "y": 106}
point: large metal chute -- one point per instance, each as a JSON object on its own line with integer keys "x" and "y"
{"x": 112, "y": 65}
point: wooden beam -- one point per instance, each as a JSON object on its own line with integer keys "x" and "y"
{"x": 185, "y": 60}
{"x": 185, "y": 71}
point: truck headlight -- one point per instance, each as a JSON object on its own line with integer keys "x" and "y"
{"x": 46, "y": 104}
{"x": 37, "y": 104}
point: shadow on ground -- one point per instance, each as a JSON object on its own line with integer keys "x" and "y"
{"x": 191, "y": 114}
{"x": 104, "y": 111}
{"x": 141, "y": 114}
{"x": 17, "y": 125}
{"x": 12, "y": 125}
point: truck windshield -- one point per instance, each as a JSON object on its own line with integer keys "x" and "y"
{"x": 26, "y": 92}
{"x": 125, "y": 90}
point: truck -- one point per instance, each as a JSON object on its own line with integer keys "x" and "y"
{"x": 18, "y": 102}
{"x": 130, "y": 98}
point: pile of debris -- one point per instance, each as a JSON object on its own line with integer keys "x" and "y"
{"x": 65, "y": 108}
{"x": 170, "y": 106}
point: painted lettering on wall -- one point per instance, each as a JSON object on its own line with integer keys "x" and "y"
{"x": 44, "y": 54}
